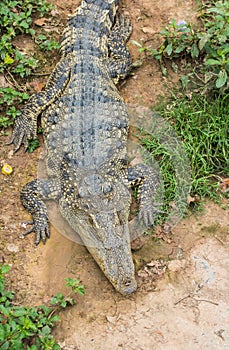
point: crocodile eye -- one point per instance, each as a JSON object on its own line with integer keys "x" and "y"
{"x": 107, "y": 188}
{"x": 91, "y": 221}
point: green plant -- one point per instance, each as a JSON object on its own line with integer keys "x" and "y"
{"x": 207, "y": 46}
{"x": 33, "y": 144}
{"x": 46, "y": 43}
{"x": 16, "y": 18}
{"x": 9, "y": 99}
{"x": 214, "y": 41}
{"x": 63, "y": 301}
{"x": 24, "y": 327}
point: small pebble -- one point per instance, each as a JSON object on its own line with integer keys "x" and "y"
{"x": 12, "y": 248}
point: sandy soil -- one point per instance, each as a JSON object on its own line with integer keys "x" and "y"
{"x": 182, "y": 297}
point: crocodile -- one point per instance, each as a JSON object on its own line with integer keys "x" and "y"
{"x": 85, "y": 127}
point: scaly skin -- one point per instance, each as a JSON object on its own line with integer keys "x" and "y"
{"x": 85, "y": 126}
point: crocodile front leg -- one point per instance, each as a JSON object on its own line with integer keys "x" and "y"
{"x": 32, "y": 196}
{"x": 26, "y": 124}
{"x": 148, "y": 182}
{"x": 119, "y": 56}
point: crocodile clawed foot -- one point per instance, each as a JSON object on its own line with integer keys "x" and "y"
{"x": 147, "y": 215}
{"x": 24, "y": 130}
{"x": 40, "y": 227}
{"x": 18, "y": 139}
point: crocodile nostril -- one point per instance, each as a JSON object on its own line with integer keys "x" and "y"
{"x": 128, "y": 287}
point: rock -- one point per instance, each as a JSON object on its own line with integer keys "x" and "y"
{"x": 12, "y": 248}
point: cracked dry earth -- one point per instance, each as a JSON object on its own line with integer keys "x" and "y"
{"x": 183, "y": 295}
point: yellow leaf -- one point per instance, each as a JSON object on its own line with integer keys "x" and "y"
{"x": 8, "y": 59}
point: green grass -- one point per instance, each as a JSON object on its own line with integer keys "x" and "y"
{"x": 201, "y": 121}
{"x": 202, "y": 126}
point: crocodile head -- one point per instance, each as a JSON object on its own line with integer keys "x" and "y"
{"x": 110, "y": 247}
{"x": 99, "y": 214}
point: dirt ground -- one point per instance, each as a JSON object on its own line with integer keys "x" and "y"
{"x": 183, "y": 294}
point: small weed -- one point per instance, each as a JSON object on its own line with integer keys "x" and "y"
{"x": 33, "y": 144}
{"x": 9, "y": 99}
{"x": 16, "y": 18}
{"x": 207, "y": 47}
{"x": 46, "y": 44}
{"x": 24, "y": 327}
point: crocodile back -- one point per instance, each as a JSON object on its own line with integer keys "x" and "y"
{"x": 89, "y": 121}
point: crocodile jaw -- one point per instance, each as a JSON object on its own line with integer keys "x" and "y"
{"x": 113, "y": 256}
{"x": 108, "y": 241}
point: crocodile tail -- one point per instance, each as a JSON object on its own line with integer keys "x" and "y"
{"x": 106, "y": 9}
{"x": 109, "y": 2}
{"x": 96, "y": 16}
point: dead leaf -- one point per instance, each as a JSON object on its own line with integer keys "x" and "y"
{"x": 13, "y": 248}
{"x": 112, "y": 319}
{"x": 37, "y": 85}
{"x": 155, "y": 266}
{"x": 40, "y": 22}
{"x": 195, "y": 199}
{"x": 148, "y": 30}
{"x": 143, "y": 274}
{"x": 10, "y": 154}
{"x": 173, "y": 206}
{"x": 54, "y": 13}
{"x": 3, "y": 82}
{"x": 224, "y": 185}
{"x": 46, "y": 299}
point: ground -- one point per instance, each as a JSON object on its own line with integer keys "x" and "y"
{"x": 182, "y": 297}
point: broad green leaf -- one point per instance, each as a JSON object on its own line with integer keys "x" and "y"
{"x": 54, "y": 319}
{"x": 165, "y": 32}
{"x": 169, "y": 49}
{"x": 4, "y": 310}
{"x": 194, "y": 51}
{"x": 222, "y": 78}
{"x": 45, "y": 331}
{"x": 19, "y": 312}
{"x": 203, "y": 41}
{"x": 16, "y": 344}
{"x": 212, "y": 62}
{"x": 63, "y": 304}
{"x": 2, "y": 333}
{"x": 217, "y": 10}
{"x": 5, "y": 346}
{"x": 164, "y": 70}
{"x": 142, "y": 49}
{"x": 184, "y": 81}
{"x": 42, "y": 37}
{"x": 4, "y": 269}
{"x": 179, "y": 49}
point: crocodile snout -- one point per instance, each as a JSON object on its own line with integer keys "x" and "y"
{"x": 128, "y": 288}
